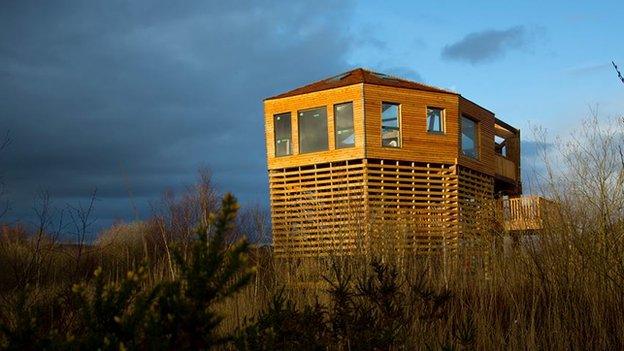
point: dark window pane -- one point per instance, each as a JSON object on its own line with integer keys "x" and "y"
{"x": 500, "y": 144}
{"x": 434, "y": 120}
{"x": 390, "y": 127}
{"x": 313, "y": 130}
{"x": 343, "y": 123}
{"x": 283, "y": 140}
{"x": 469, "y": 137}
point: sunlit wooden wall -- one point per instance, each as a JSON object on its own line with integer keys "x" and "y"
{"x": 416, "y": 198}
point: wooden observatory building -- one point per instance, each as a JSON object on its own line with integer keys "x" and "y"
{"x": 364, "y": 159}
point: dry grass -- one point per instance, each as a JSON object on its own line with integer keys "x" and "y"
{"x": 561, "y": 291}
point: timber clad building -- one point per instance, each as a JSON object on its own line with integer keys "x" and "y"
{"x": 364, "y": 159}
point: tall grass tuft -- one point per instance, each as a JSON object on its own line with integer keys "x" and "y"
{"x": 131, "y": 313}
{"x": 559, "y": 289}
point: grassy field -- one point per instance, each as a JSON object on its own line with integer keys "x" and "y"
{"x": 186, "y": 279}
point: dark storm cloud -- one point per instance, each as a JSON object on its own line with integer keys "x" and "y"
{"x": 487, "y": 45}
{"x": 132, "y": 97}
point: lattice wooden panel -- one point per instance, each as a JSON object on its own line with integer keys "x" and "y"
{"x": 374, "y": 205}
{"x": 319, "y": 209}
{"x": 413, "y": 206}
{"x": 476, "y": 192}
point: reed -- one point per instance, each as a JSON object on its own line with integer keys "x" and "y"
{"x": 560, "y": 290}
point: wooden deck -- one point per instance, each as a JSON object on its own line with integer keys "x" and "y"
{"x": 524, "y": 213}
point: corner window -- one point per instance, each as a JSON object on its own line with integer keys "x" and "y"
{"x": 343, "y": 124}
{"x": 469, "y": 139}
{"x": 313, "y": 130}
{"x": 283, "y": 134}
{"x": 390, "y": 125}
{"x": 435, "y": 120}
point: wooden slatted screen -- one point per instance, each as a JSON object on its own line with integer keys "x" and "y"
{"x": 365, "y": 205}
{"x": 476, "y": 194}
{"x": 413, "y": 206}
{"x": 319, "y": 209}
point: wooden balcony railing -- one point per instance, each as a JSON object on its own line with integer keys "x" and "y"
{"x": 524, "y": 213}
{"x": 505, "y": 167}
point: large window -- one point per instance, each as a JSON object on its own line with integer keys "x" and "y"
{"x": 283, "y": 134}
{"x": 390, "y": 125}
{"x": 313, "y": 130}
{"x": 343, "y": 123}
{"x": 469, "y": 137}
{"x": 435, "y": 120}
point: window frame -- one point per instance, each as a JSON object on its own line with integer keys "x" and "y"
{"x": 335, "y": 124}
{"x": 291, "y": 149}
{"x": 503, "y": 150}
{"x": 477, "y": 136}
{"x": 442, "y": 120}
{"x": 399, "y": 124}
{"x": 299, "y": 129}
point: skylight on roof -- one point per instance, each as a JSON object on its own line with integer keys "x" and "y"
{"x": 381, "y": 75}
{"x": 338, "y": 77}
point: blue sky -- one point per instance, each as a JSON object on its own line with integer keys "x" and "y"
{"x": 535, "y": 64}
{"x": 132, "y": 98}
{"x": 561, "y": 66}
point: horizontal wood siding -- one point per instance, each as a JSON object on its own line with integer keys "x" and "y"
{"x": 327, "y": 98}
{"x": 417, "y": 144}
{"x": 421, "y": 197}
{"x": 505, "y": 167}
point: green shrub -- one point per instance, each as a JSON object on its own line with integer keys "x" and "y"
{"x": 132, "y": 314}
{"x": 376, "y": 311}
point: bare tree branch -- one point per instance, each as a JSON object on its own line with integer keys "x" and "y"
{"x": 6, "y": 141}
{"x": 80, "y": 217}
{"x": 38, "y": 246}
{"x": 4, "y": 205}
{"x": 618, "y": 71}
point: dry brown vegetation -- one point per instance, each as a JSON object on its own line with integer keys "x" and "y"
{"x": 562, "y": 290}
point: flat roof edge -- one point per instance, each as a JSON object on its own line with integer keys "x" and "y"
{"x": 506, "y": 125}
{"x": 277, "y": 97}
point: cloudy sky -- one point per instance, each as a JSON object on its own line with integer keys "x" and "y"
{"x": 132, "y": 97}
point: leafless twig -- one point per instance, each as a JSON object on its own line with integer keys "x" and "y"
{"x": 6, "y": 141}
{"x": 32, "y": 270}
{"x": 4, "y": 205}
{"x": 81, "y": 220}
{"x": 618, "y": 71}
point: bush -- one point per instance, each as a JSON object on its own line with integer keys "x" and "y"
{"x": 131, "y": 314}
{"x": 560, "y": 290}
{"x": 376, "y": 311}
